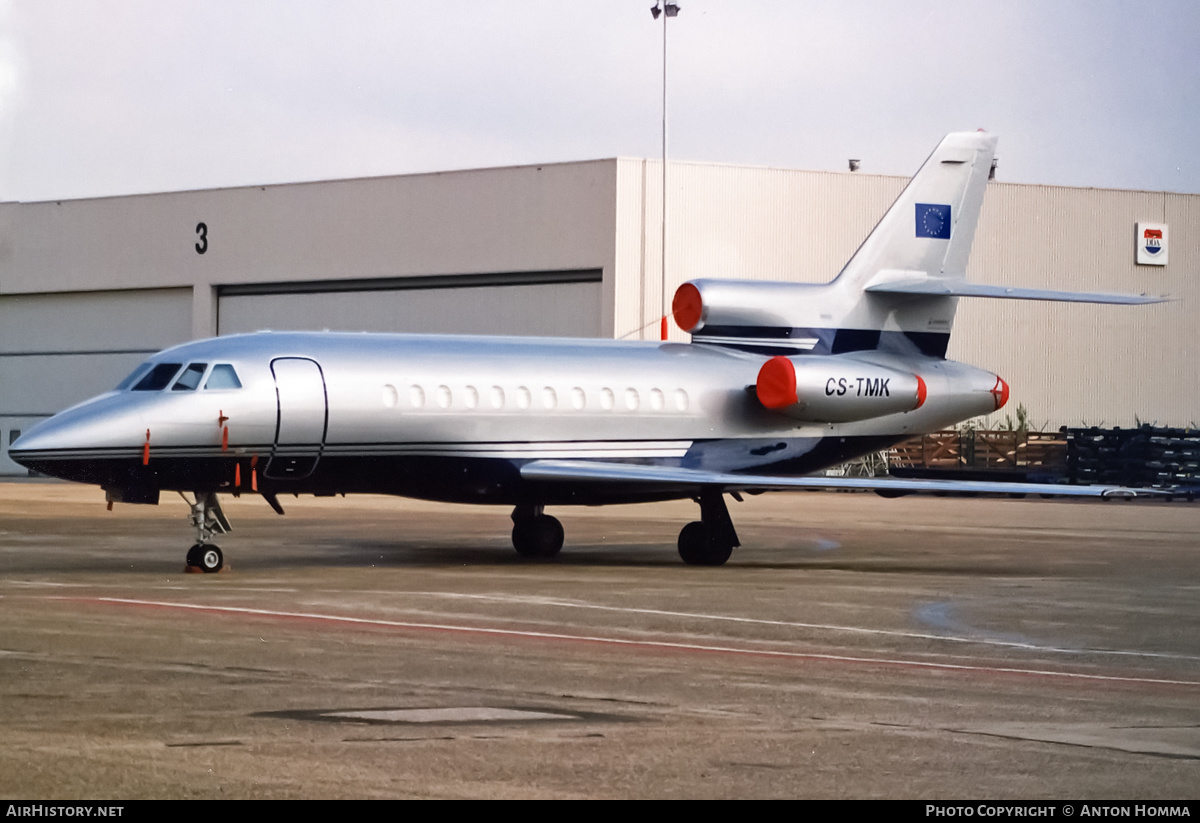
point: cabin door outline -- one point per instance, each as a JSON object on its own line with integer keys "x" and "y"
{"x": 301, "y": 418}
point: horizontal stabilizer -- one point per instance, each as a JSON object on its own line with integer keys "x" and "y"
{"x": 961, "y": 288}
{"x": 589, "y": 471}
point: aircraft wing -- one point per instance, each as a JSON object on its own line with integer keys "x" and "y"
{"x": 942, "y": 288}
{"x": 597, "y": 472}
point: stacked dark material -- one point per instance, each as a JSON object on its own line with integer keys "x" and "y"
{"x": 1146, "y": 457}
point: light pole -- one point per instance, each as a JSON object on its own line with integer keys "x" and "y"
{"x": 665, "y": 10}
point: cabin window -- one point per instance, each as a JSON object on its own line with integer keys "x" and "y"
{"x": 223, "y": 377}
{"x": 190, "y": 379}
{"x": 158, "y": 378}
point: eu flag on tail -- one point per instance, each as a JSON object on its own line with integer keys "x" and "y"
{"x": 933, "y": 220}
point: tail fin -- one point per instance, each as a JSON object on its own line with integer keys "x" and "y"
{"x": 924, "y": 237}
{"x": 927, "y": 232}
{"x": 897, "y": 293}
{"x": 921, "y": 246}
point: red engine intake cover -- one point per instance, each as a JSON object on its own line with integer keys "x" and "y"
{"x": 687, "y": 307}
{"x": 776, "y": 384}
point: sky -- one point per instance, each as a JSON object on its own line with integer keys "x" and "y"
{"x": 106, "y": 97}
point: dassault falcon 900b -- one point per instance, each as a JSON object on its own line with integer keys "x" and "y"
{"x": 780, "y": 380}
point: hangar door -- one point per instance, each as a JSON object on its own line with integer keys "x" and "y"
{"x": 59, "y": 349}
{"x": 530, "y": 303}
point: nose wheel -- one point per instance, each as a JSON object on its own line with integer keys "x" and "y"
{"x": 205, "y": 557}
{"x": 207, "y": 519}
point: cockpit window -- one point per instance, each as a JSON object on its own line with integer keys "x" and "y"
{"x": 190, "y": 378}
{"x": 158, "y": 378}
{"x": 223, "y": 377}
{"x": 134, "y": 375}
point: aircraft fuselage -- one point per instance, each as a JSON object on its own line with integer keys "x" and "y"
{"x": 453, "y": 418}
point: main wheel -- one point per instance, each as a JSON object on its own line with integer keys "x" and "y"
{"x": 207, "y": 558}
{"x": 541, "y": 536}
{"x": 699, "y": 547}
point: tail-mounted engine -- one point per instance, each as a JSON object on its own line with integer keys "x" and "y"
{"x": 833, "y": 390}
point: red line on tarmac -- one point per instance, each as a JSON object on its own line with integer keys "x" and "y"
{"x": 656, "y": 645}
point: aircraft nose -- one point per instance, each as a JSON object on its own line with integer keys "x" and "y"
{"x": 48, "y": 447}
{"x": 36, "y": 446}
{"x": 34, "y": 439}
{"x": 65, "y": 445}
{"x": 21, "y": 444}
{"x": 46, "y": 437}
{"x": 65, "y": 430}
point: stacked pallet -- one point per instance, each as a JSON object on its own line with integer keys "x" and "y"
{"x": 979, "y": 450}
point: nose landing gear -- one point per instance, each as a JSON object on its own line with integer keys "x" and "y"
{"x": 207, "y": 519}
{"x": 205, "y": 557}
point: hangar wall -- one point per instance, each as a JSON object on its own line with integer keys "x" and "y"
{"x": 563, "y": 304}
{"x": 1081, "y": 364}
{"x": 88, "y": 287}
{"x": 57, "y": 349}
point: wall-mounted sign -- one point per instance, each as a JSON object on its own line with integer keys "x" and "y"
{"x": 1152, "y": 244}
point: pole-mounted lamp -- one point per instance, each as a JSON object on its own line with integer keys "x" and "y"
{"x": 664, "y": 10}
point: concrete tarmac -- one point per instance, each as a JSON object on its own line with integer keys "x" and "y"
{"x": 854, "y": 647}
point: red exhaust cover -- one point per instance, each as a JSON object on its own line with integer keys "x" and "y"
{"x": 1000, "y": 392}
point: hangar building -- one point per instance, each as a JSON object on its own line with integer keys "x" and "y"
{"x": 89, "y": 288}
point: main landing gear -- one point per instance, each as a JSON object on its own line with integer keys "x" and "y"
{"x": 710, "y": 540}
{"x": 536, "y": 534}
{"x": 207, "y": 519}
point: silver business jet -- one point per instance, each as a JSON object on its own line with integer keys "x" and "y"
{"x": 779, "y": 381}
